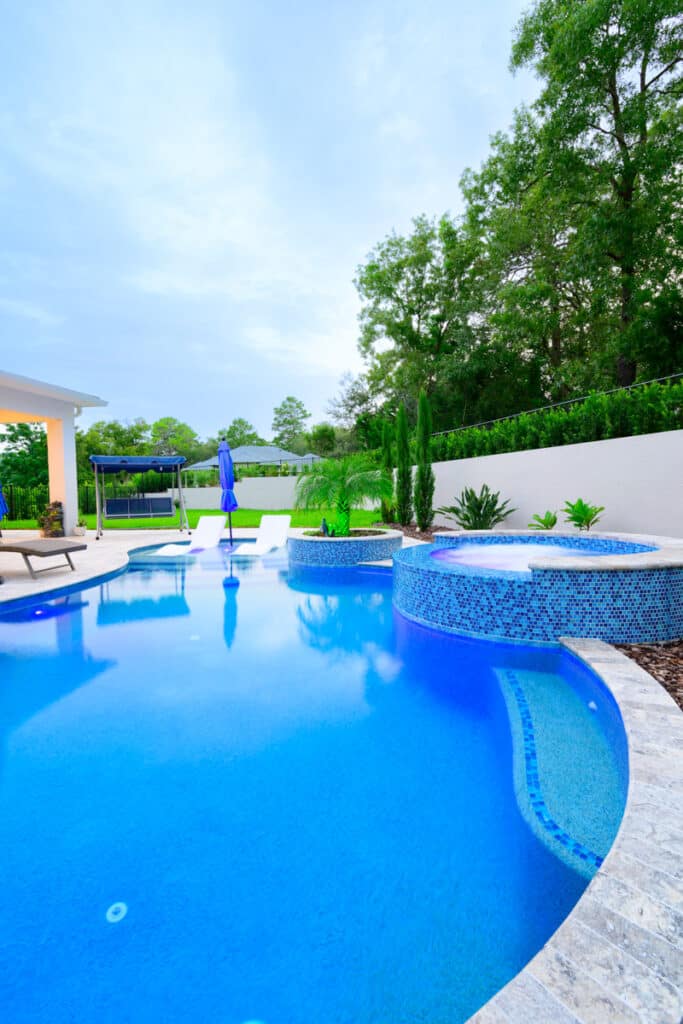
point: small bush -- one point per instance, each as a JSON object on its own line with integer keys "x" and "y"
{"x": 480, "y": 511}
{"x": 545, "y": 522}
{"x": 581, "y": 514}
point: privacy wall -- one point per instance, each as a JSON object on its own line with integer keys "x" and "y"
{"x": 639, "y": 480}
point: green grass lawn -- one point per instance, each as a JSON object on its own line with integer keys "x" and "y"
{"x": 242, "y": 517}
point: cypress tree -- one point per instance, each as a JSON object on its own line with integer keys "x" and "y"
{"x": 387, "y": 469}
{"x": 404, "y": 472}
{"x": 424, "y": 477}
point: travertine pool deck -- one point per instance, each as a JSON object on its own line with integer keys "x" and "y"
{"x": 618, "y": 957}
{"x": 103, "y": 556}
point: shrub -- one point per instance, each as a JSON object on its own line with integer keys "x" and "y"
{"x": 387, "y": 465}
{"x": 480, "y": 511}
{"x": 404, "y": 472}
{"x": 424, "y": 476}
{"x": 640, "y": 410}
{"x": 545, "y": 522}
{"x": 582, "y": 515}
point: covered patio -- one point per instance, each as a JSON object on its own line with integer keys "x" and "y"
{"x": 24, "y": 400}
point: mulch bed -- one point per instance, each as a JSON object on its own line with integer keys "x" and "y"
{"x": 412, "y": 531}
{"x": 663, "y": 661}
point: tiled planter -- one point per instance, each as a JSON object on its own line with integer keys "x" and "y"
{"x": 328, "y": 552}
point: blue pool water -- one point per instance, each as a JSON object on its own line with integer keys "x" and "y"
{"x": 310, "y": 808}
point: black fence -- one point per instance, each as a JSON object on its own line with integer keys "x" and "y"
{"x": 29, "y": 502}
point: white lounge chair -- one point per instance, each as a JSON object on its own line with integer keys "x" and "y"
{"x": 207, "y": 535}
{"x": 272, "y": 534}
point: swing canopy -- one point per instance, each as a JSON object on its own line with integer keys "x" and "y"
{"x": 138, "y": 507}
{"x": 138, "y": 463}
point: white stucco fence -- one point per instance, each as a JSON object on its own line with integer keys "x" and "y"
{"x": 263, "y": 492}
{"x": 639, "y": 480}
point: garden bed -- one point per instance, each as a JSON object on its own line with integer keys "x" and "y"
{"x": 663, "y": 661}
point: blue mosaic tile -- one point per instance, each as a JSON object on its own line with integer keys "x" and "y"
{"x": 598, "y": 545}
{"x": 329, "y": 553}
{"x": 619, "y": 606}
{"x": 535, "y": 794}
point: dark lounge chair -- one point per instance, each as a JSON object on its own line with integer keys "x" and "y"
{"x": 45, "y": 548}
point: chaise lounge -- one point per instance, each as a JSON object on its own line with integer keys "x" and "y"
{"x": 43, "y": 548}
{"x": 272, "y": 534}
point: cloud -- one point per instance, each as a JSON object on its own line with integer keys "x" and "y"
{"x": 30, "y": 311}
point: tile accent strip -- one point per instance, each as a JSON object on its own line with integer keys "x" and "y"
{"x": 533, "y": 782}
{"x": 619, "y": 955}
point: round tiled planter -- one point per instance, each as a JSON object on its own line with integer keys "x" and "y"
{"x": 328, "y": 552}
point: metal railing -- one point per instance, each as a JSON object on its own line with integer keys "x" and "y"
{"x": 556, "y": 405}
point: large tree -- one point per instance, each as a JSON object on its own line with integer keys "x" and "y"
{"x": 289, "y": 422}
{"x": 111, "y": 437}
{"x": 241, "y": 432}
{"x": 611, "y": 143}
{"x": 171, "y": 436}
{"x": 23, "y": 460}
{"x": 416, "y": 313}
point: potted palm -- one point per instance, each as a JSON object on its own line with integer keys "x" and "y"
{"x": 342, "y": 484}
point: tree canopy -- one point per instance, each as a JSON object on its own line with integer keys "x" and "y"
{"x": 563, "y": 273}
{"x": 289, "y": 423}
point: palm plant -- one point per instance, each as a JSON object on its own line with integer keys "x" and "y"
{"x": 341, "y": 484}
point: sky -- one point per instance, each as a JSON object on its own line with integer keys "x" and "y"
{"x": 187, "y": 189}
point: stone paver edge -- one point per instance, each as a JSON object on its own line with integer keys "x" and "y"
{"x": 618, "y": 956}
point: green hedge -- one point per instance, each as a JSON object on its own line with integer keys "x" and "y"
{"x": 645, "y": 410}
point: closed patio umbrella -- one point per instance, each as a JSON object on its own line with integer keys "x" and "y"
{"x": 3, "y": 507}
{"x": 227, "y": 480}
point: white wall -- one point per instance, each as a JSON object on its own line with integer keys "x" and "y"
{"x": 25, "y": 406}
{"x": 263, "y": 492}
{"x": 639, "y": 480}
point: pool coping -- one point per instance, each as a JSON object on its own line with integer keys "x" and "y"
{"x": 618, "y": 956}
{"x": 669, "y": 553}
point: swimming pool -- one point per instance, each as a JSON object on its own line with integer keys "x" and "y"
{"x": 283, "y": 802}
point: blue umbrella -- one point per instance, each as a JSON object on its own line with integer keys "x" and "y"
{"x": 4, "y": 509}
{"x": 226, "y": 474}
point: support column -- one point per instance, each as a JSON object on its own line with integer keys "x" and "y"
{"x": 61, "y": 467}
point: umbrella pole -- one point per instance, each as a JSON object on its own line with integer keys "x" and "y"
{"x": 230, "y": 526}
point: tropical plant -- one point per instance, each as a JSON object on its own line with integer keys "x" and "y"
{"x": 404, "y": 471}
{"x": 545, "y": 522}
{"x": 51, "y": 520}
{"x": 480, "y": 511}
{"x": 341, "y": 484}
{"x": 424, "y": 476}
{"x": 387, "y": 469}
{"x": 582, "y": 515}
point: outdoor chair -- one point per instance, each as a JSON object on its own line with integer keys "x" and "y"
{"x": 207, "y": 535}
{"x": 272, "y": 534}
{"x": 46, "y": 547}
